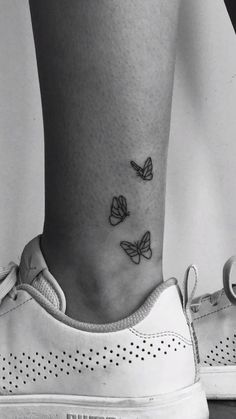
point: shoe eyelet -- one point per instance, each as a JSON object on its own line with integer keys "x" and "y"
{"x": 194, "y": 310}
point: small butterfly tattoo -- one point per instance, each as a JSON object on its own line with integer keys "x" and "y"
{"x": 119, "y": 210}
{"x": 144, "y": 172}
{"x": 137, "y": 249}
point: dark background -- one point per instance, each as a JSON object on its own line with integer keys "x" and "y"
{"x": 231, "y": 7}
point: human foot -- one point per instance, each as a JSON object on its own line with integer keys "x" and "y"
{"x": 143, "y": 366}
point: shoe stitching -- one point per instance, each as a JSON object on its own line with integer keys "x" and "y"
{"x": 161, "y": 334}
{"x": 12, "y": 309}
{"x": 212, "y": 312}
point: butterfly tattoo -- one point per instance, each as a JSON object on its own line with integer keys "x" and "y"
{"x": 119, "y": 210}
{"x": 137, "y": 249}
{"x": 144, "y": 172}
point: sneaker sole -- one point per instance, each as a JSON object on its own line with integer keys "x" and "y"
{"x": 184, "y": 404}
{"x": 219, "y": 382}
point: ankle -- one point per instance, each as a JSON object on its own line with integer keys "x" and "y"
{"x": 97, "y": 291}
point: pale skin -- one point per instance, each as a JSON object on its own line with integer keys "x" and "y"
{"x": 106, "y": 76}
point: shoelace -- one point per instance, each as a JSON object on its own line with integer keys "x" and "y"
{"x": 228, "y": 289}
{"x": 8, "y": 279}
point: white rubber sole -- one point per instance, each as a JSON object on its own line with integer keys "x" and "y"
{"x": 219, "y": 382}
{"x": 189, "y": 403}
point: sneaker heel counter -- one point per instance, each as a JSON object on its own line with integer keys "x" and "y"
{"x": 167, "y": 323}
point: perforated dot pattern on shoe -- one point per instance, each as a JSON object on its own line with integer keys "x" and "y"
{"x": 18, "y": 370}
{"x": 222, "y": 353}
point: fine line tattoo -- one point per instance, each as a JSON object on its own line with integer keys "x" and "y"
{"x": 119, "y": 210}
{"x": 145, "y": 172}
{"x": 137, "y": 249}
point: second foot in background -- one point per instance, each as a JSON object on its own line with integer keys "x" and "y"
{"x": 214, "y": 318}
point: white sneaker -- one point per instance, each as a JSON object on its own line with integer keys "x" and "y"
{"x": 214, "y": 318}
{"x": 53, "y": 367}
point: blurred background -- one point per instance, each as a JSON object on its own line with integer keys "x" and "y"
{"x": 200, "y": 222}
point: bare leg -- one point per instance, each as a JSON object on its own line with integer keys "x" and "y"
{"x": 106, "y": 74}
